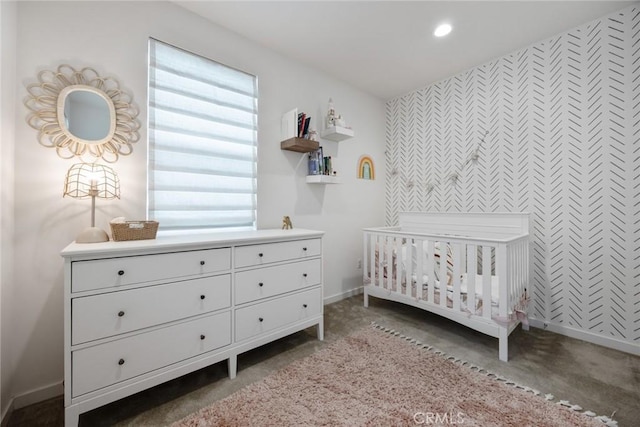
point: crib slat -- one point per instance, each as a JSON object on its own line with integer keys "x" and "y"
{"x": 525, "y": 264}
{"x": 517, "y": 273}
{"x": 376, "y": 264}
{"x": 443, "y": 273}
{"x": 512, "y": 251}
{"x": 486, "y": 282}
{"x": 365, "y": 259}
{"x": 519, "y": 266}
{"x": 419, "y": 248}
{"x": 373, "y": 242}
{"x": 431, "y": 280}
{"x": 502, "y": 271}
{"x": 389, "y": 262}
{"x": 370, "y": 256}
{"x": 399, "y": 269}
{"x": 472, "y": 271}
{"x": 457, "y": 262}
{"x": 515, "y": 261}
{"x": 522, "y": 268}
{"x": 381, "y": 260}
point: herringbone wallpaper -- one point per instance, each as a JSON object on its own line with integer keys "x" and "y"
{"x": 557, "y": 127}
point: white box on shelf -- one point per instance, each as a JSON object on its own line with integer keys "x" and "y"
{"x": 289, "y": 124}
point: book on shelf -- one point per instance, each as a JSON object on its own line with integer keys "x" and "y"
{"x": 320, "y": 155}
{"x": 319, "y": 164}
{"x": 301, "y": 117}
{"x": 303, "y": 125}
{"x": 305, "y": 128}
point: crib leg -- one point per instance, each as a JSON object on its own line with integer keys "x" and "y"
{"x": 366, "y": 299}
{"x": 503, "y": 353}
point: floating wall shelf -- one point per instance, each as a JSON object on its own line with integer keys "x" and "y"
{"x": 323, "y": 179}
{"x": 301, "y": 145}
{"x": 336, "y": 133}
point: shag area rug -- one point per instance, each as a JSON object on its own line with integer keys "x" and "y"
{"x": 377, "y": 377}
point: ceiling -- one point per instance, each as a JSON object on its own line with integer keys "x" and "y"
{"x": 387, "y": 48}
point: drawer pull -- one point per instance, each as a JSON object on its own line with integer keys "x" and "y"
{"x": 201, "y": 262}
{"x": 304, "y": 249}
{"x": 304, "y": 274}
{"x": 260, "y": 254}
{"x": 121, "y": 273}
{"x": 121, "y": 362}
{"x": 120, "y": 313}
{"x": 260, "y": 319}
{"x": 201, "y": 296}
{"x": 304, "y": 305}
{"x": 202, "y": 337}
{"x": 261, "y": 284}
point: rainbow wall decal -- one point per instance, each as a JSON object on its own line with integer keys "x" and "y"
{"x": 366, "y": 169}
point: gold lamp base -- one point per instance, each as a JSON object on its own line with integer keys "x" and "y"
{"x": 92, "y": 235}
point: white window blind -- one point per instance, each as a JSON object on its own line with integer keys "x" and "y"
{"x": 202, "y": 142}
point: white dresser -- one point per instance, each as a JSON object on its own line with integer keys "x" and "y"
{"x": 140, "y": 313}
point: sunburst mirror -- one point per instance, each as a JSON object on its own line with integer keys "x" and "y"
{"x": 81, "y": 114}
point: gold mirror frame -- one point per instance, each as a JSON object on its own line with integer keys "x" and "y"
{"x": 44, "y": 102}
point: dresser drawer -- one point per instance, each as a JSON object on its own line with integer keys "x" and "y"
{"x": 114, "y": 272}
{"x": 106, "y": 364}
{"x": 251, "y": 285}
{"x": 105, "y": 315}
{"x": 246, "y": 256}
{"x": 270, "y": 315}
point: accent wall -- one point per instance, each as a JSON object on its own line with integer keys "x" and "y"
{"x": 557, "y": 129}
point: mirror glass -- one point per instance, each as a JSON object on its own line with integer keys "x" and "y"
{"x": 87, "y": 115}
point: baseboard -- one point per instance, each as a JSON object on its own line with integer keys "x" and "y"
{"x": 343, "y": 295}
{"x": 38, "y": 395}
{"x": 7, "y": 414}
{"x": 614, "y": 343}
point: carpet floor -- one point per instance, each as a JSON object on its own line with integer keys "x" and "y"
{"x": 601, "y": 379}
{"x": 375, "y": 377}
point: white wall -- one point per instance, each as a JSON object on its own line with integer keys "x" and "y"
{"x": 112, "y": 38}
{"x": 562, "y": 117}
{"x": 7, "y": 127}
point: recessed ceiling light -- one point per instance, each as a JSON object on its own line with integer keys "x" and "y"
{"x": 442, "y": 30}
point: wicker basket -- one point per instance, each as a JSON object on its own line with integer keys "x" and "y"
{"x": 134, "y": 230}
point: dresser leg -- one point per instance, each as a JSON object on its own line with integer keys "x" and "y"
{"x": 71, "y": 416}
{"x": 321, "y": 330}
{"x": 233, "y": 366}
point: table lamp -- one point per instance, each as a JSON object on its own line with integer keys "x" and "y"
{"x": 93, "y": 180}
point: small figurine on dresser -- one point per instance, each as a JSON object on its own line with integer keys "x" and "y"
{"x": 286, "y": 223}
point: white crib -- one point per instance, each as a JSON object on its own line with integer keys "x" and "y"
{"x": 487, "y": 259}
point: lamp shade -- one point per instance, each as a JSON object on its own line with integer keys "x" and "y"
{"x": 91, "y": 180}
{"x": 85, "y": 180}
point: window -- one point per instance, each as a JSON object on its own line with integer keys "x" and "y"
{"x": 202, "y": 142}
